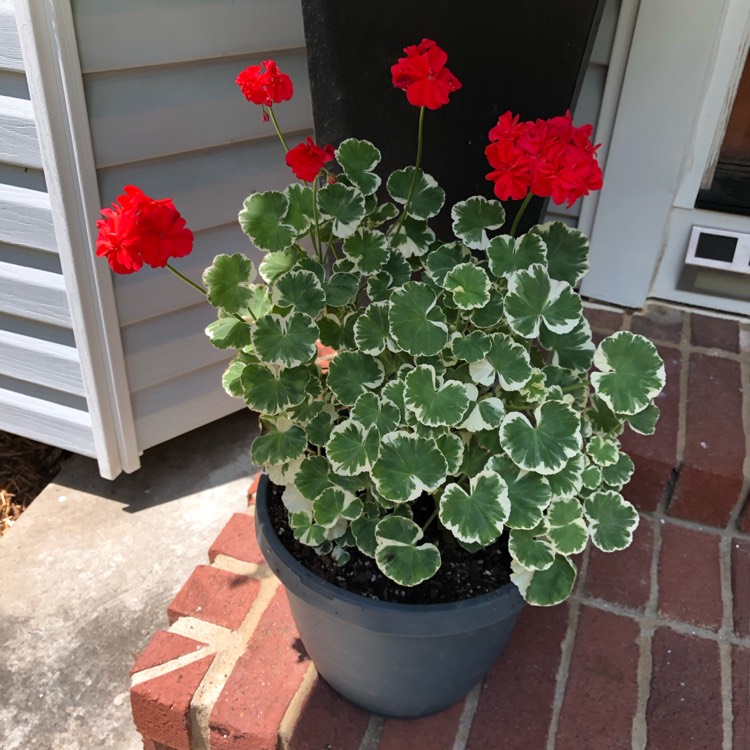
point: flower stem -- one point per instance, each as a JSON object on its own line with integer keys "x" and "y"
{"x": 315, "y": 234}
{"x": 276, "y": 127}
{"x": 188, "y": 281}
{"x": 420, "y": 143}
{"x": 517, "y": 220}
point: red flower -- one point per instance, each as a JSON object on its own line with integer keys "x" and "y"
{"x": 307, "y": 159}
{"x": 266, "y": 87}
{"x": 138, "y": 229}
{"x": 548, "y": 158}
{"x": 423, "y": 75}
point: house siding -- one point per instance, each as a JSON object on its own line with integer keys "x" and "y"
{"x": 166, "y": 115}
{"x": 41, "y": 386}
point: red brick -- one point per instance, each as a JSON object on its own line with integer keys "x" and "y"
{"x": 684, "y": 708}
{"x": 436, "y": 732}
{"x": 216, "y": 596}
{"x": 150, "y": 745}
{"x": 265, "y": 678}
{"x": 163, "y": 647}
{"x": 744, "y": 520}
{"x": 690, "y": 576}
{"x": 741, "y": 586}
{"x": 740, "y": 698}
{"x": 328, "y": 720}
{"x": 161, "y": 706}
{"x": 711, "y": 478}
{"x": 655, "y": 456}
{"x": 715, "y": 333}
{"x": 604, "y": 320}
{"x": 517, "y": 696}
{"x": 623, "y": 577}
{"x": 659, "y": 323}
{"x": 601, "y": 694}
{"x": 237, "y": 540}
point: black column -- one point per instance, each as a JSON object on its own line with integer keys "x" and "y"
{"x": 528, "y": 56}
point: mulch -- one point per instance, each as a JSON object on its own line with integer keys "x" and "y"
{"x": 26, "y": 468}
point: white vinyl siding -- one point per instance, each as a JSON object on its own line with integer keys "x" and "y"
{"x": 166, "y": 115}
{"x": 41, "y": 386}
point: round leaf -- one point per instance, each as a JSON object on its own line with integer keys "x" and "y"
{"x": 261, "y": 218}
{"x": 632, "y": 372}
{"x": 368, "y": 249}
{"x": 358, "y": 159}
{"x": 352, "y": 448}
{"x": 545, "y": 588}
{"x": 427, "y": 197}
{"x": 510, "y": 254}
{"x": 529, "y": 493}
{"x": 352, "y": 373}
{"x": 228, "y": 281}
{"x": 276, "y": 446}
{"x": 469, "y": 285}
{"x": 267, "y": 393}
{"x": 287, "y": 341}
{"x": 371, "y": 329}
{"x": 417, "y": 324}
{"x": 436, "y": 404}
{"x": 301, "y": 291}
{"x": 399, "y": 557}
{"x": 473, "y": 217}
{"x": 612, "y": 520}
{"x": 344, "y": 206}
{"x": 567, "y": 251}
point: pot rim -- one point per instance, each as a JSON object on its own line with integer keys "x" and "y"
{"x": 308, "y": 579}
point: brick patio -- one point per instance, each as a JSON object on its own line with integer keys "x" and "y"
{"x": 652, "y": 650}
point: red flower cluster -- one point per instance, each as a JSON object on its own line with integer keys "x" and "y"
{"x": 549, "y": 158}
{"x": 423, "y": 75}
{"x": 266, "y": 87}
{"x": 138, "y": 229}
{"x": 307, "y": 159}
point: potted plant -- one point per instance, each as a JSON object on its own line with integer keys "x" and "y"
{"x": 458, "y": 445}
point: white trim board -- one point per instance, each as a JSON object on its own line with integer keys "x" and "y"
{"x": 672, "y": 75}
{"x": 50, "y": 54}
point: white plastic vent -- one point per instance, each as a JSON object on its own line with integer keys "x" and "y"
{"x": 719, "y": 249}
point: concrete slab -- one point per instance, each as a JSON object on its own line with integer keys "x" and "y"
{"x": 86, "y": 574}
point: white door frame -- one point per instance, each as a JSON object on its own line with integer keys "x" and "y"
{"x": 53, "y": 72}
{"x": 684, "y": 58}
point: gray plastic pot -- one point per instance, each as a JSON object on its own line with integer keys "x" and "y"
{"x": 391, "y": 659}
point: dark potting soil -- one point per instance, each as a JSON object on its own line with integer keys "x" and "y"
{"x": 462, "y": 575}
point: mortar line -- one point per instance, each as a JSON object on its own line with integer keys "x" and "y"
{"x": 373, "y": 733}
{"x": 218, "y": 673}
{"x": 293, "y": 711}
{"x": 144, "y": 675}
{"x": 466, "y": 721}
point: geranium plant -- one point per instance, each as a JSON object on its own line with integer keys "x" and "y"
{"x": 465, "y": 370}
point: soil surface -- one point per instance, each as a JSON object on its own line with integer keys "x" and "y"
{"x": 462, "y": 575}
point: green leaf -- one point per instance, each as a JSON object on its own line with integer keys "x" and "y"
{"x": 506, "y": 360}
{"x": 300, "y": 213}
{"x": 485, "y": 415}
{"x": 612, "y": 520}
{"x": 226, "y": 333}
{"x": 275, "y": 265}
{"x": 546, "y": 446}
{"x": 473, "y": 217}
{"x": 591, "y": 477}
{"x": 566, "y": 528}
{"x": 534, "y": 299}
{"x": 334, "y": 505}
{"x": 469, "y": 285}
{"x": 228, "y": 281}
{"x": 277, "y": 446}
{"x": 399, "y": 557}
{"x": 352, "y": 448}
{"x": 568, "y": 481}
{"x": 417, "y": 324}
{"x": 529, "y": 493}
{"x": 358, "y": 159}
{"x": 301, "y": 291}
{"x": 305, "y": 531}
{"x": 545, "y": 588}
{"x": 368, "y": 249}
{"x": 452, "y": 448}
{"x": 427, "y": 197}
{"x": 435, "y": 403}
{"x": 618, "y": 474}
{"x": 510, "y": 254}
{"x": 444, "y": 258}
{"x": 381, "y": 413}
{"x": 231, "y": 380}
{"x": 380, "y": 214}
{"x": 351, "y": 374}
{"x": 285, "y": 340}
{"x": 531, "y": 548}
{"x": 602, "y": 418}
{"x": 341, "y": 289}
{"x": 344, "y": 206}
{"x": 632, "y": 372}
{"x": 267, "y": 393}
{"x": 318, "y": 429}
{"x": 260, "y": 303}
{"x": 603, "y": 451}
{"x": 371, "y": 329}
{"x": 407, "y": 466}
{"x": 313, "y": 476}
{"x": 471, "y": 348}
{"x": 491, "y": 315}
{"x": 413, "y": 240}
{"x": 567, "y": 251}
{"x": 573, "y": 350}
{"x": 644, "y": 422}
{"x": 477, "y": 516}
{"x": 261, "y": 218}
